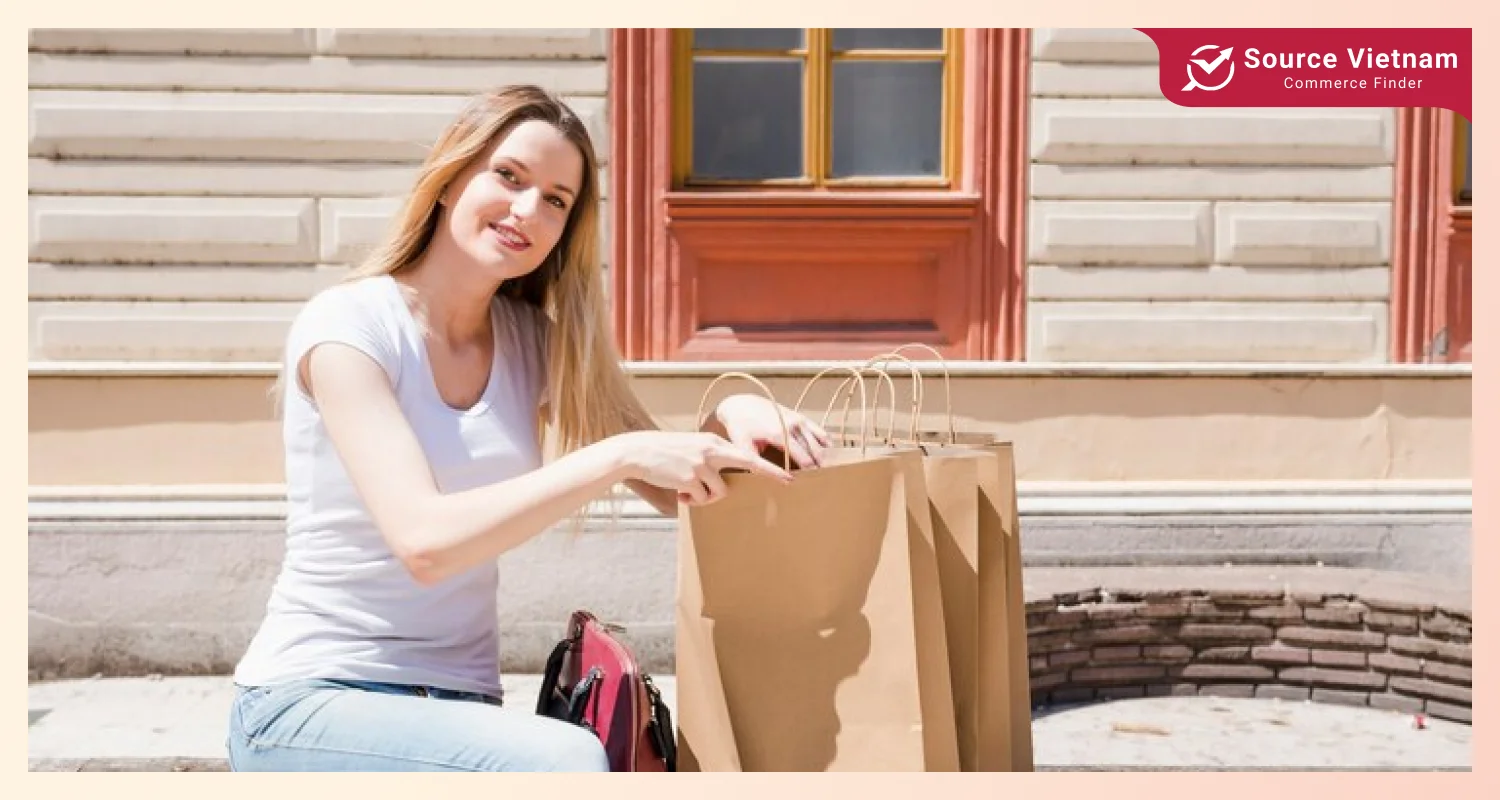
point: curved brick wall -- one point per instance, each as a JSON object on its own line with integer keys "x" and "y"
{"x": 1334, "y": 648}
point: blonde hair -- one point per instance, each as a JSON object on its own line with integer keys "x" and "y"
{"x": 591, "y": 398}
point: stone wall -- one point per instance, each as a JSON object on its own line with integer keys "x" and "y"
{"x": 1305, "y": 645}
{"x": 1163, "y": 233}
{"x": 188, "y": 189}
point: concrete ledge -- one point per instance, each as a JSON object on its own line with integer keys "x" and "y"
{"x": 321, "y": 126}
{"x": 175, "y": 579}
{"x": 1095, "y": 45}
{"x": 169, "y": 764}
{"x": 249, "y": 41}
{"x": 1155, "y": 131}
{"x": 1224, "y": 422}
{"x": 1208, "y": 182}
{"x": 310, "y": 74}
{"x": 1036, "y": 498}
{"x": 179, "y": 725}
{"x": 1346, "y": 332}
{"x": 176, "y": 724}
{"x": 1215, "y": 283}
{"x": 164, "y": 230}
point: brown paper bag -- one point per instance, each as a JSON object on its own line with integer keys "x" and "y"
{"x": 705, "y": 737}
{"x": 971, "y": 485}
{"x": 954, "y": 499}
{"x": 935, "y": 678}
{"x": 980, "y": 558}
{"x": 809, "y": 595}
{"x": 1000, "y": 517}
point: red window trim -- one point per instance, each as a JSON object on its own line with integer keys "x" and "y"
{"x": 1431, "y": 278}
{"x": 646, "y": 274}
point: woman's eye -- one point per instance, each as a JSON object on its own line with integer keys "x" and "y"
{"x": 558, "y": 202}
{"x": 507, "y": 174}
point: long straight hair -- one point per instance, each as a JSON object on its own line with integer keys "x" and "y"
{"x": 590, "y": 395}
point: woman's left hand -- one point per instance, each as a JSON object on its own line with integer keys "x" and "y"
{"x": 752, "y": 422}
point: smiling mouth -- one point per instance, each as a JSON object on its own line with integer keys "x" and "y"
{"x": 510, "y": 237}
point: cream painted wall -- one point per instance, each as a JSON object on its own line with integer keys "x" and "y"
{"x": 188, "y": 189}
{"x": 1163, "y": 233}
{"x": 1090, "y": 427}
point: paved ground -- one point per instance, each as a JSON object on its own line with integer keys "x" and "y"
{"x": 178, "y": 723}
{"x": 1224, "y": 733}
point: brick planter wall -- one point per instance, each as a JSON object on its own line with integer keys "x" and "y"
{"x": 1346, "y": 649}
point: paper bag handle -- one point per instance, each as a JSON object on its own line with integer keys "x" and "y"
{"x": 918, "y": 390}
{"x": 947, "y": 385}
{"x": 786, "y": 436}
{"x": 869, "y": 409}
{"x": 890, "y": 430}
{"x": 864, "y": 431}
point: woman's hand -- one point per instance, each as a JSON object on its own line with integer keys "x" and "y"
{"x": 688, "y": 463}
{"x": 752, "y": 422}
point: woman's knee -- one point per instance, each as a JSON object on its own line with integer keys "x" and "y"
{"x": 576, "y": 749}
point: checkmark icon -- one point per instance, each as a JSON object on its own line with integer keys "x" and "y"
{"x": 1209, "y": 66}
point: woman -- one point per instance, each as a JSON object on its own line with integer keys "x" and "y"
{"x": 412, "y": 398}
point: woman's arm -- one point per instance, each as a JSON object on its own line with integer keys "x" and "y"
{"x": 663, "y": 500}
{"x": 438, "y": 535}
{"x": 434, "y": 534}
{"x": 751, "y": 422}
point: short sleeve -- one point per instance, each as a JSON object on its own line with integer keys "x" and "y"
{"x": 343, "y": 314}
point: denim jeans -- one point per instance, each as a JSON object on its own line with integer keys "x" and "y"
{"x": 355, "y": 726}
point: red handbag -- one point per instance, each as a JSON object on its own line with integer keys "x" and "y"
{"x": 592, "y": 680}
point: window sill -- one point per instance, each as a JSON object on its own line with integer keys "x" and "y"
{"x": 818, "y": 203}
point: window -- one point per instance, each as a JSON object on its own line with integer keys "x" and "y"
{"x": 887, "y": 232}
{"x": 788, "y": 107}
{"x": 1457, "y": 343}
{"x": 1463, "y": 161}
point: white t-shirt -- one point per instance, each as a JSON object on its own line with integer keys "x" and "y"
{"x": 343, "y": 606}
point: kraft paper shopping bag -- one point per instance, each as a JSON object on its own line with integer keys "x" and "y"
{"x": 808, "y": 592}
{"x": 971, "y": 486}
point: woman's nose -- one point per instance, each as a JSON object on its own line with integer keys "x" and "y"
{"x": 524, "y": 203}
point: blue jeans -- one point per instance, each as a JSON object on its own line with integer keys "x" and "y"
{"x": 355, "y": 726}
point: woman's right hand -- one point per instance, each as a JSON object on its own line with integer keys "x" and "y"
{"x": 689, "y": 463}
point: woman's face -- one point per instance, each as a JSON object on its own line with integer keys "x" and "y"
{"x": 507, "y": 210}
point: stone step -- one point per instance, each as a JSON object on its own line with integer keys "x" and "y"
{"x": 176, "y": 582}
{"x": 179, "y": 725}
{"x": 174, "y": 724}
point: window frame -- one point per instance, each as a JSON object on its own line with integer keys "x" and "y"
{"x": 1431, "y": 305}
{"x": 1462, "y": 134}
{"x": 663, "y": 240}
{"x": 818, "y": 57}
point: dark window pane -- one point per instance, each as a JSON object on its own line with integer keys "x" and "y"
{"x": 747, "y": 38}
{"x": 887, "y": 119}
{"x": 887, "y": 39}
{"x": 1466, "y": 192}
{"x": 747, "y": 119}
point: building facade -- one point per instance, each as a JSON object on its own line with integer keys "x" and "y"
{"x": 1163, "y": 307}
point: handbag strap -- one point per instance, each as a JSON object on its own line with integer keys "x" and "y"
{"x": 663, "y": 735}
{"x": 552, "y": 676}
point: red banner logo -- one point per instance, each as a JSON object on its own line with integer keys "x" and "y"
{"x": 1328, "y": 67}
